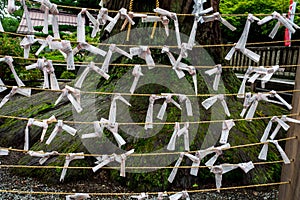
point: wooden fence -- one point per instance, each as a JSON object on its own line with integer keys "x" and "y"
{"x": 270, "y": 56}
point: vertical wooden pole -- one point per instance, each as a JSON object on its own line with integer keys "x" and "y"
{"x": 291, "y": 172}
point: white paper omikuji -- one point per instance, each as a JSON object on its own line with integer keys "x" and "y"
{"x": 172, "y": 142}
{"x": 121, "y": 14}
{"x": 217, "y": 16}
{"x": 199, "y": 10}
{"x": 172, "y": 59}
{"x": 26, "y": 43}
{"x": 90, "y": 67}
{"x": 103, "y": 160}
{"x": 241, "y": 44}
{"x": 192, "y": 71}
{"x": 113, "y": 107}
{"x": 281, "y": 100}
{"x": 113, "y": 128}
{"x": 175, "y": 169}
{"x": 45, "y": 29}
{"x": 95, "y": 23}
{"x": 218, "y": 151}
{"x": 98, "y": 131}
{"x": 23, "y": 91}
{"x": 136, "y": 73}
{"x": 31, "y": 122}
{"x": 177, "y": 133}
{"x": 2, "y": 86}
{"x": 60, "y": 126}
{"x": 281, "y": 21}
{"x": 9, "y": 61}
{"x": 11, "y": 7}
{"x": 217, "y": 70}
{"x": 280, "y": 122}
{"x": 140, "y": 197}
{"x": 144, "y": 53}
{"x": 43, "y": 155}
{"x": 88, "y": 47}
{"x": 70, "y": 157}
{"x": 161, "y": 195}
{"x": 163, "y": 19}
{"x": 81, "y": 26}
{"x": 178, "y": 195}
{"x": 78, "y": 196}
{"x": 183, "y": 98}
{"x": 73, "y": 95}
{"x": 149, "y": 115}
{"x": 27, "y": 17}
{"x": 163, "y": 108}
{"x": 67, "y": 49}
{"x": 212, "y": 100}
{"x": 219, "y": 170}
{"x": 103, "y": 16}
{"x": 4, "y": 152}
{"x": 46, "y": 122}
{"x": 173, "y": 16}
{"x": 183, "y": 54}
{"x": 264, "y": 151}
{"x": 122, "y": 159}
{"x": 132, "y": 15}
{"x": 254, "y": 103}
{"x": 113, "y": 49}
{"x": 226, "y": 127}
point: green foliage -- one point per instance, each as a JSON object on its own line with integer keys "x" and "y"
{"x": 68, "y": 75}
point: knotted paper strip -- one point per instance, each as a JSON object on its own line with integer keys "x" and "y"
{"x": 122, "y": 159}
{"x": 136, "y": 73}
{"x": 11, "y": 7}
{"x": 31, "y": 122}
{"x": 23, "y": 91}
{"x": 73, "y": 95}
{"x": 144, "y": 53}
{"x": 2, "y": 86}
{"x": 241, "y": 92}
{"x": 132, "y": 15}
{"x": 219, "y": 170}
{"x": 27, "y": 17}
{"x": 217, "y": 70}
{"x": 90, "y": 67}
{"x": 177, "y": 133}
{"x": 98, "y": 131}
{"x": 113, "y": 128}
{"x": 281, "y": 100}
{"x": 78, "y": 196}
{"x": 178, "y": 195}
{"x": 113, "y": 49}
{"x": 59, "y": 127}
{"x": 280, "y": 122}
{"x": 264, "y": 151}
{"x": 149, "y": 115}
{"x": 163, "y": 108}
{"x": 175, "y": 169}
{"x": 43, "y": 43}
{"x": 26, "y": 43}
{"x": 113, "y": 107}
{"x": 199, "y": 10}
{"x": 172, "y": 59}
{"x": 241, "y": 44}
{"x": 88, "y": 47}
{"x": 163, "y": 19}
{"x": 218, "y": 151}
{"x": 226, "y": 127}
{"x": 217, "y": 16}
{"x": 70, "y": 157}
{"x": 173, "y": 16}
{"x": 43, "y": 155}
{"x": 46, "y": 122}
{"x": 161, "y": 195}
{"x": 212, "y": 100}
{"x": 140, "y": 197}
{"x": 281, "y": 21}
{"x": 103, "y": 16}
{"x": 9, "y": 61}
{"x": 121, "y": 14}
{"x": 192, "y": 71}
{"x": 183, "y": 98}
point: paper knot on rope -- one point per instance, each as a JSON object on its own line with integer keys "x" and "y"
{"x": 78, "y": 196}
{"x": 47, "y": 68}
{"x": 212, "y": 100}
{"x": 144, "y": 53}
{"x": 149, "y": 115}
{"x": 193, "y": 158}
{"x": 136, "y": 73}
{"x": 73, "y": 95}
{"x": 217, "y": 71}
{"x": 92, "y": 49}
{"x": 70, "y": 157}
{"x": 42, "y": 124}
{"x": 281, "y": 21}
{"x": 26, "y": 43}
{"x": 177, "y": 133}
{"x": 44, "y": 156}
{"x": 140, "y": 197}
{"x": 163, "y": 19}
{"x": 217, "y": 17}
{"x": 265, "y": 74}
{"x": 23, "y": 91}
{"x": 168, "y": 99}
{"x": 132, "y": 15}
{"x": 199, "y": 10}
{"x": 9, "y": 61}
{"x": 121, "y": 14}
{"x": 184, "y": 195}
{"x": 59, "y": 127}
{"x": 106, "y": 159}
{"x": 113, "y": 107}
{"x": 264, "y": 151}
{"x": 90, "y": 68}
{"x": 172, "y": 16}
{"x": 226, "y": 127}
{"x": 241, "y": 44}
{"x": 280, "y": 122}
{"x": 113, "y": 49}
{"x": 219, "y": 170}
{"x": 103, "y": 16}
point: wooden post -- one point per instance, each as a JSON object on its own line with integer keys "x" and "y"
{"x": 291, "y": 172}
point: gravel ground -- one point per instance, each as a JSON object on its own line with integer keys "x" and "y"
{"x": 13, "y": 182}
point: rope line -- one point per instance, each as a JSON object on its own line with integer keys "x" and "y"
{"x": 149, "y": 193}
{"x": 157, "y": 154}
